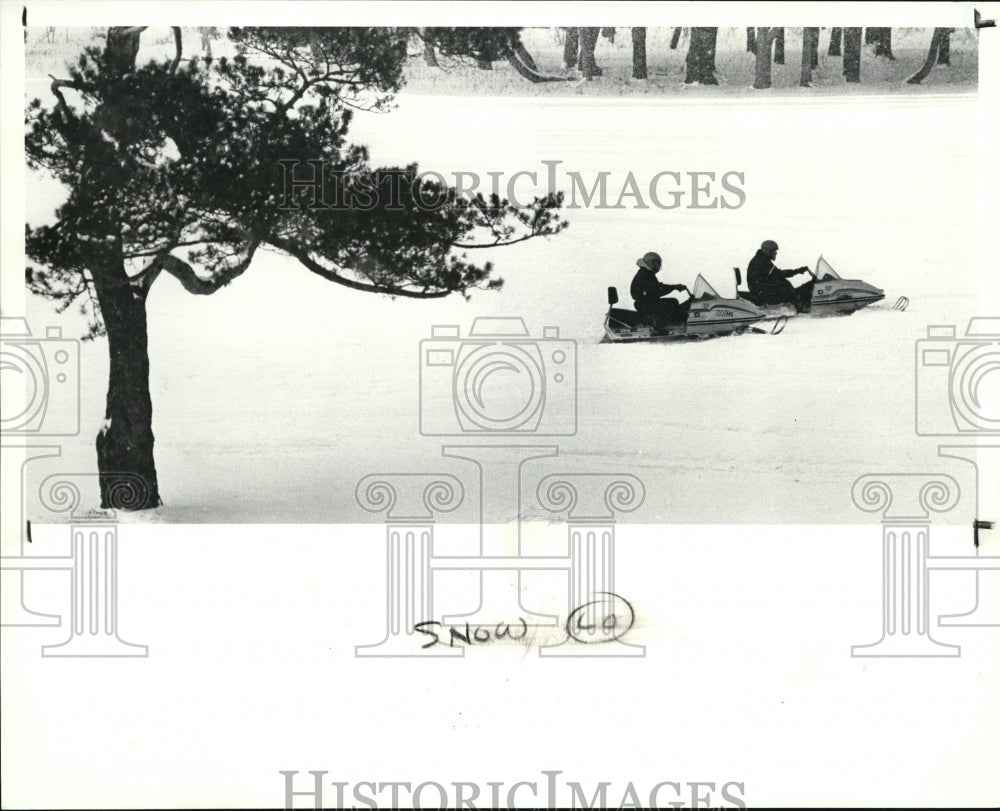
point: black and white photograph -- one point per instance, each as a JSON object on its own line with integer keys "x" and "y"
{"x": 371, "y": 370}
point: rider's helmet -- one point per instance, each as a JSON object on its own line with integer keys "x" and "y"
{"x": 650, "y": 261}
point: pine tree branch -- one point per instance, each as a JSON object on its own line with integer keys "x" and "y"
{"x": 161, "y": 251}
{"x": 177, "y": 43}
{"x": 500, "y": 243}
{"x": 194, "y": 283}
{"x": 333, "y": 276}
{"x": 59, "y": 83}
{"x": 142, "y": 282}
{"x": 531, "y": 74}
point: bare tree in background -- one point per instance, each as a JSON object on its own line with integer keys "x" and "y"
{"x": 639, "y": 53}
{"x": 944, "y": 50}
{"x": 835, "y": 36}
{"x": 881, "y": 40}
{"x": 939, "y": 40}
{"x": 810, "y": 55}
{"x": 779, "y": 47}
{"x": 701, "y": 57}
{"x": 852, "y": 55}
{"x": 762, "y": 66}
{"x": 578, "y": 51}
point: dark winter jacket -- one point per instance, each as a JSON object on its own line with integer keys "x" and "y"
{"x": 646, "y": 289}
{"x": 763, "y": 274}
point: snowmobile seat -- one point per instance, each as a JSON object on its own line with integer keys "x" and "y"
{"x": 746, "y": 295}
{"x": 626, "y": 318}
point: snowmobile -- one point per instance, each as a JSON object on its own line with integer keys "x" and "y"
{"x": 832, "y": 295}
{"x": 706, "y": 315}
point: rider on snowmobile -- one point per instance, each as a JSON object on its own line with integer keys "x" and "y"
{"x": 771, "y": 285}
{"x": 661, "y": 304}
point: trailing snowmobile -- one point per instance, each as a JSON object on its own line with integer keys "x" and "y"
{"x": 707, "y": 315}
{"x": 832, "y": 295}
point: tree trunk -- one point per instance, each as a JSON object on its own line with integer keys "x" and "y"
{"x": 835, "y": 35}
{"x": 701, "y": 56}
{"x": 571, "y": 47}
{"x": 852, "y": 54}
{"x": 430, "y": 58}
{"x": 125, "y": 466}
{"x": 933, "y": 55}
{"x": 751, "y": 41}
{"x": 122, "y": 48}
{"x": 779, "y": 47}
{"x": 944, "y": 50}
{"x": 127, "y": 472}
{"x": 675, "y": 38}
{"x": 885, "y": 48}
{"x": 881, "y": 38}
{"x": 588, "y": 43}
{"x": 639, "y": 53}
{"x": 810, "y": 41}
{"x": 762, "y": 68}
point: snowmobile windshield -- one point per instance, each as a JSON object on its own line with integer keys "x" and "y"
{"x": 824, "y": 270}
{"x": 703, "y": 289}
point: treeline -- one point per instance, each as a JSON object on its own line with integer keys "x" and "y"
{"x": 767, "y": 45}
{"x": 486, "y": 46}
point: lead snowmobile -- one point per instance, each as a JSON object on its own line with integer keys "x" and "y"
{"x": 706, "y": 315}
{"x": 832, "y": 295}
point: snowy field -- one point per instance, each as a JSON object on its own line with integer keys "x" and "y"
{"x": 273, "y": 397}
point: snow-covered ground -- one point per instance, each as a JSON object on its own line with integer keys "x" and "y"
{"x": 273, "y": 397}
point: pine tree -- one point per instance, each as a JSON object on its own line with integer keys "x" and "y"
{"x": 184, "y": 169}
